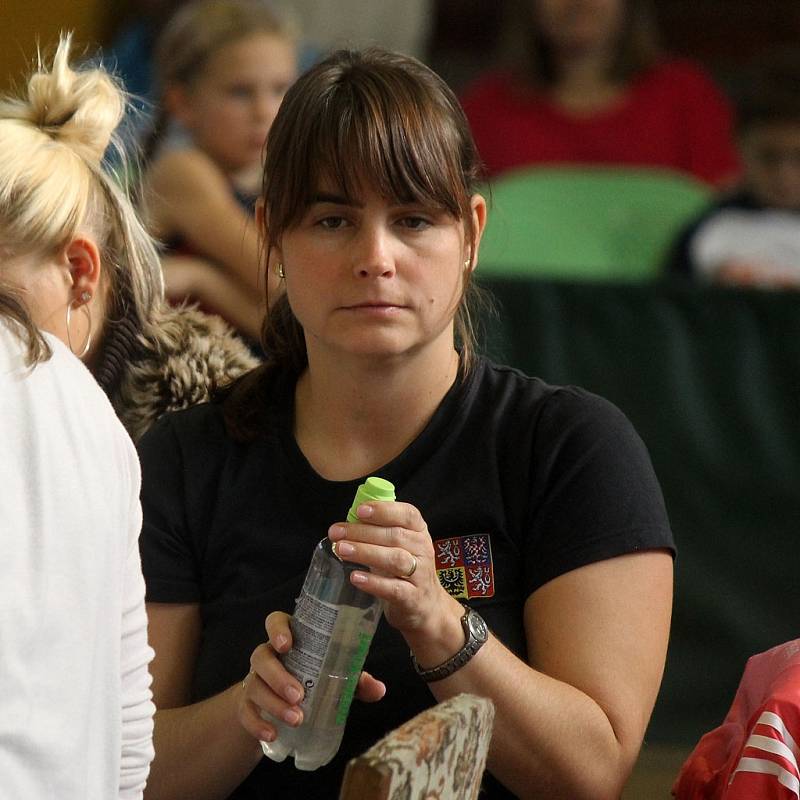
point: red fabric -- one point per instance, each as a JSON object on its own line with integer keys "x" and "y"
{"x": 671, "y": 116}
{"x": 755, "y": 752}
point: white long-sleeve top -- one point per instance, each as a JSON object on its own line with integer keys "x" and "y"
{"x": 76, "y": 716}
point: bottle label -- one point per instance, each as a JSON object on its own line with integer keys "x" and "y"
{"x": 312, "y": 627}
{"x": 353, "y": 674}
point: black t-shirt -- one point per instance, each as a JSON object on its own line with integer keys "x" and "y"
{"x": 518, "y": 481}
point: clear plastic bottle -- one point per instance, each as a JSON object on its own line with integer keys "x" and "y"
{"x": 332, "y": 627}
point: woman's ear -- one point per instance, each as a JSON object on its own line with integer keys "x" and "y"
{"x": 478, "y": 206}
{"x": 82, "y": 258}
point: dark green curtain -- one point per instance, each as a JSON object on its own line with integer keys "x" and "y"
{"x": 710, "y": 377}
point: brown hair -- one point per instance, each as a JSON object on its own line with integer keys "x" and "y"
{"x": 367, "y": 116}
{"x": 532, "y": 55}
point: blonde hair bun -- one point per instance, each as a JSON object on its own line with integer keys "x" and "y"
{"x": 79, "y": 109}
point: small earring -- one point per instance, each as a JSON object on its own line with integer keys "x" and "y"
{"x": 86, "y": 296}
{"x": 467, "y": 263}
{"x": 279, "y": 271}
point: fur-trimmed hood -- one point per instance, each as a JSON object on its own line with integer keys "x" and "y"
{"x": 191, "y": 354}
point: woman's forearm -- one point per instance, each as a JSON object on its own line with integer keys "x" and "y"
{"x": 569, "y": 722}
{"x": 549, "y": 739}
{"x": 202, "y": 752}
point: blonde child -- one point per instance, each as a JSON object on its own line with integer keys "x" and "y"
{"x": 223, "y": 67}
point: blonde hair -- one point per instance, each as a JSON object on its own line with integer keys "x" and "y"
{"x": 54, "y": 184}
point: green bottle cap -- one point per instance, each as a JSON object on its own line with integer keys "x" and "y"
{"x": 373, "y": 489}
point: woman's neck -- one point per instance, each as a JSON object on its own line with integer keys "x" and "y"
{"x": 352, "y": 418}
{"x": 585, "y": 85}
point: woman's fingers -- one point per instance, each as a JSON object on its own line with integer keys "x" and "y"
{"x": 395, "y": 562}
{"x": 392, "y": 539}
{"x": 251, "y": 720}
{"x": 370, "y": 689}
{"x": 279, "y": 633}
{"x": 269, "y": 693}
{"x": 387, "y": 523}
{"x": 266, "y": 666}
{"x": 268, "y": 701}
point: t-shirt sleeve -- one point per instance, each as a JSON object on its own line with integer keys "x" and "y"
{"x": 169, "y": 557}
{"x": 595, "y": 493}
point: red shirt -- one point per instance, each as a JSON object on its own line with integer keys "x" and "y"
{"x": 754, "y": 752}
{"x": 670, "y": 116}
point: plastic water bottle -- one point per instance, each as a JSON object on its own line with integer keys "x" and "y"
{"x": 332, "y": 627}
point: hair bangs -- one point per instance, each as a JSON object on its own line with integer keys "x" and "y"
{"x": 369, "y": 150}
{"x": 356, "y": 139}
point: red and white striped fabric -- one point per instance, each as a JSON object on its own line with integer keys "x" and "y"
{"x": 755, "y": 753}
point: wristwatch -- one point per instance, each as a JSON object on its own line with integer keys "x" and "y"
{"x": 475, "y": 633}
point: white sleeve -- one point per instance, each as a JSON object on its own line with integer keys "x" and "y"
{"x": 136, "y": 654}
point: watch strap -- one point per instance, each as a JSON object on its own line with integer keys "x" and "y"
{"x": 471, "y": 646}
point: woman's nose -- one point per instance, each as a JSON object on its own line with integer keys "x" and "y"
{"x": 373, "y": 254}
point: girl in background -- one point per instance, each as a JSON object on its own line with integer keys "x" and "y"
{"x": 588, "y": 84}
{"x": 223, "y": 67}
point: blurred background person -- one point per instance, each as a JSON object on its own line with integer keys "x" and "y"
{"x": 131, "y": 49}
{"x": 404, "y": 27}
{"x": 751, "y": 236}
{"x": 588, "y": 84}
{"x": 71, "y": 238}
{"x": 223, "y": 67}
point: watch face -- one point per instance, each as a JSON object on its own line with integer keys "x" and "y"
{"x": 477, "y": 627}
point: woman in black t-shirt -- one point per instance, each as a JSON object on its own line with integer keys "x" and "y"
{"x": 536, "y": 505}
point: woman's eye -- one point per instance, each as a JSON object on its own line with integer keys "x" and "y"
{"x": 415, "y": 223}
{"x": 239, "y": 91}
{"x": 332, "y": 223}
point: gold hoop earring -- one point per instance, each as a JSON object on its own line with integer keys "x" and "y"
{"x": 279, "y": 271}
{"x": 85, "y": 297}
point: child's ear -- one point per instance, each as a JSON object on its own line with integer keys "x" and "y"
{"x": 177, "y": 103}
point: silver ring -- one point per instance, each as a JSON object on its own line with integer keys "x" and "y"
{"x": 413, "y": 566}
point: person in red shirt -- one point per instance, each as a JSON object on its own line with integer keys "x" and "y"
{"x": 591, "y": 86}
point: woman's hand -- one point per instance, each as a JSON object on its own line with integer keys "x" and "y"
{"x": 270, "y": 689}
{"x": 392, "y": 539}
